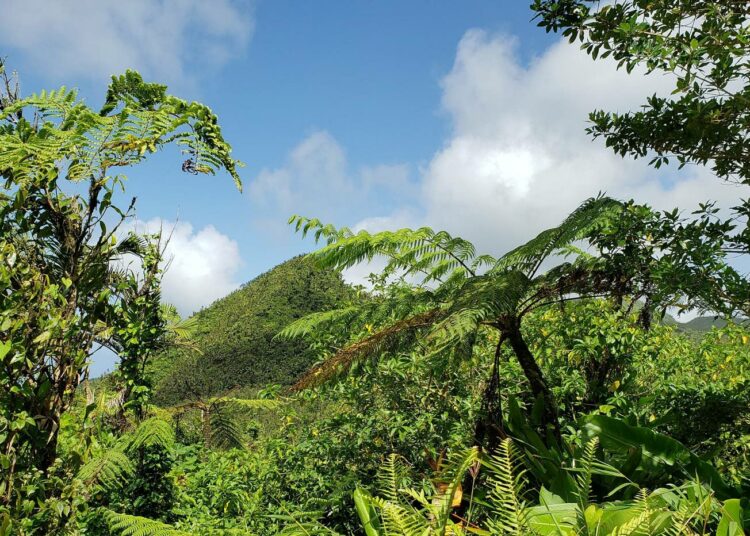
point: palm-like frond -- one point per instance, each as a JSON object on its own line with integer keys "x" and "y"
{"x": 127, "y": 525}
{"x": 151, "y": 432}
{"x": 580, "y": 223}
{"x": 431, "y": 255}
{"x": 110, "y": 470}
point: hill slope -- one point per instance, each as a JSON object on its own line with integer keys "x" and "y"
{"x": 235, "y": 334}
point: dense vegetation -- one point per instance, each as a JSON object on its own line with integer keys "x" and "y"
{"x": 542, "y": 391}
{"x": 234, "y": 341}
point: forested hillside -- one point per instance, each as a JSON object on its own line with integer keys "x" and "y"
{"x": 477, "y": 388}
{"x": 234, "y": 341}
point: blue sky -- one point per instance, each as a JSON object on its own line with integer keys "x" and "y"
{"x": 460, "y": 115}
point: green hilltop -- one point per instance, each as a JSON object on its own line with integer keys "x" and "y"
{"x": 234, "y": 338}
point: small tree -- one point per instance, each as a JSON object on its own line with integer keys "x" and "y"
{"x": 704, "y": 44}
{"x": 60, "y": 235}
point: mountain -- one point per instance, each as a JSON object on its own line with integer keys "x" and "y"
{"x": 698, "y": 325}
{"x": 235, "y": 335}
{"x": 703, "y": 323}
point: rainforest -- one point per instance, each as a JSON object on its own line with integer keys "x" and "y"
{"x": 568, "y": 368}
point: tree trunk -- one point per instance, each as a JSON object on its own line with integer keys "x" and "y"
{"x": 490, "y": 429}
{"x": 644, "y": 318}
{"x": 52, "y": 409}
{"x": 535, "y": 378}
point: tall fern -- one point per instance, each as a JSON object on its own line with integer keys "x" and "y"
{"x": 456, "y": 294}
{"x": 507, "y": 483}
{"x": 151, "y": 432}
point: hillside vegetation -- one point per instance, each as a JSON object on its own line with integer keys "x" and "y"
{"x": 536, "y": 392}
{"x": 234, "y": 339}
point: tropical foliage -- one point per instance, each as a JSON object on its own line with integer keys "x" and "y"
{"x": 546, "y": 390}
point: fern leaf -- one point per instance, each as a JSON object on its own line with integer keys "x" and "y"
{"x": 582, "y": 221}
{"x": 380, "y": 341}
{"x": 507, "y": 487}
{"x": 151, "y": 432}
{"x": 127, "y": 525}
{"x": 110, "y": 470}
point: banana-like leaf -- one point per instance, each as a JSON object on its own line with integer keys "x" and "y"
{"x": 367, "y": 513}
{"x": 658, "y": 451}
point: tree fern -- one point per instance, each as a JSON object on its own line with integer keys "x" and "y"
{"x": 457, "y": 294}
{"x": 218, "y": 418}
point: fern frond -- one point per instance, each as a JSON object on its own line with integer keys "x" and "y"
{"x": 376, "y": 343}
{"x": 127, "y": 525}
{"x": 432, "y": 255}
{"x": 507, "y": 483}
{"x": 151, "y": 432}
{"x": 225, "y": 433}
{"x": 581, "y": 222}
{"x": 303, "y": 524}
{"x": 391, "y": 477}
{"x": 315, "y": 321}
{"x": 583, "y": 483}
{"x": 327, "y": 232}
{"x": 583, "y": 478}
{"x": 110, "y": 470}
{"x": 452, "y": 475}
{"x": 401, "y": 519}
{"x": 639, "y": 524}
{"x": 248, "y": 403}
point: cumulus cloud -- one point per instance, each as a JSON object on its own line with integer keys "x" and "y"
{"x": 174, "y": 40}
{"x": 316, "y": 181}
{"x": 201, "y": 265}
{"x": 519, "y": 160}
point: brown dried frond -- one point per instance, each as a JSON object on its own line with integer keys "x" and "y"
{"x": 376, "y": 343}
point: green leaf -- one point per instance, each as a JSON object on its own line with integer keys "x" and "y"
{"x": 367, "y": 513}
{"x": 732, "y": 519}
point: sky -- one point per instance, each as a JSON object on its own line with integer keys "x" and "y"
{"x": 463, "y": 116}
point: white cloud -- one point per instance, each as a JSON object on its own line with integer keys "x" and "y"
{"x": 518, "y": 159}
{"x": 173, "y": 40}
{"x": 315, "y": 181}
{"x": 202, "y": 265}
